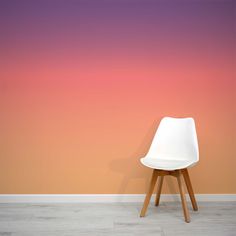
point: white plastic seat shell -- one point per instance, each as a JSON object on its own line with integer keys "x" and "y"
{"x": 174, "y": 145}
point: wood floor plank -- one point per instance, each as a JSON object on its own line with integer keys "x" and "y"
{"x": 118, "y": 219}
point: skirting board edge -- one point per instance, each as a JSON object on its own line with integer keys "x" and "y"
{"x": 105, "y": 198}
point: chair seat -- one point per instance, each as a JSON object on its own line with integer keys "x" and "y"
{"x": 166, "y": 164}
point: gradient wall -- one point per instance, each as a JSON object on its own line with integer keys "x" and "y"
{"x": 84, "y": 84}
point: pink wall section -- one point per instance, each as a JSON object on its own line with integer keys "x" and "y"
{"x": 84, "y": 84}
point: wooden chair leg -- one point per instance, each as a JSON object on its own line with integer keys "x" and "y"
{"x": 183, "y": 200}
{"x": 149, "y": 193}
{"x": 190, "y": 189}
{"x": 159, "y": 186}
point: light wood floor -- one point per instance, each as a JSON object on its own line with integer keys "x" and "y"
{"x": 116, "y": 219}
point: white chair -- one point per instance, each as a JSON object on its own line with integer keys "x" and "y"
{"x": 173, "y": 149}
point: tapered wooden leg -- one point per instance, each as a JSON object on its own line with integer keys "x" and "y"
{"x": 190, "y": 189}
{"x": 183, "y": 200}
{"x": 159, "y": 186}
{"x": 149, "y": 193}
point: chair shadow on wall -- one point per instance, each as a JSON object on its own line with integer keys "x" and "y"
{"x": 132, "y": 169}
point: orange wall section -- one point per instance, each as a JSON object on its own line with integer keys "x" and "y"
{"x": 81, "y": 97}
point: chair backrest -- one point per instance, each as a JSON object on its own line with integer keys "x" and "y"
{"x": 176, "y": 139}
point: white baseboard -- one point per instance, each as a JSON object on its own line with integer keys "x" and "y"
{"x": 105, "y": 198}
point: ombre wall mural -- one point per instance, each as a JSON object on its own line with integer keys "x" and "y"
{"x": 84, "y": 84}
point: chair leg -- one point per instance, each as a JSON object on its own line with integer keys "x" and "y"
{"x": 159, "y": 186}
{"x": 149, "y": 193}
{"x": 190, "y": 189}
{"x": 183, "y": 200}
